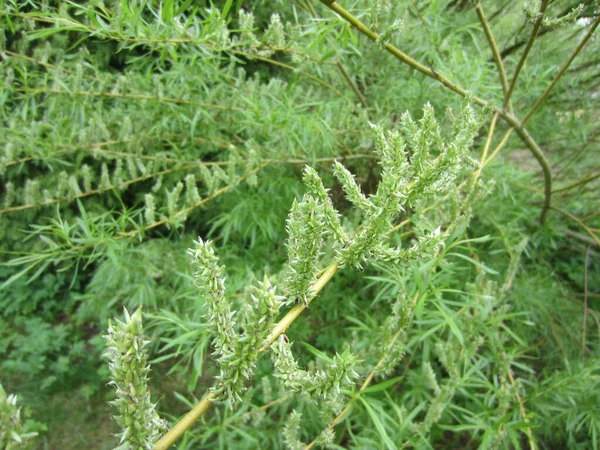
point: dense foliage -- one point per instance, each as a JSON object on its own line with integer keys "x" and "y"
{"x": 396, "y": 201}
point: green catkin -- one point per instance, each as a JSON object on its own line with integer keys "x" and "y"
{"x": 32, "y": 192}
{"x": 9, "y": 194}
{"x": 87, "y": 177}
{"x": 141, "y": 166}
{"x": 128, "y": 363}
{"x": 352, "y": 189}
{"x": 62, "y": 189}
{"x": 192, "y": 195}
{"x": 315, "y": 187}
{"x": 173, "y": 198}
{"x": 208, "y": 179}
{"x": 157, "y": 184}
{"x": 131, "y": 168}
{"x": 104, "y": 178}
{"x": 117, "y": 175}
{"x": 150, "y": 209}
{"x": 247, "y": 26}
{"x": 275, "y": 34}
{"x": 74, "y": 189}
{"x": 47, "y": 196}
{"x": 14, "y": 434}
{"x": 291, "y": 432}
{"x": 236, "y": 346}
{"x": 305, "y": 227}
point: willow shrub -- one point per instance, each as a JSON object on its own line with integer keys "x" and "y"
{"x": 324, "y": 182}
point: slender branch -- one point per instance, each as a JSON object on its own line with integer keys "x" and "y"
{"x": 517, "y": 45}
{"x": 578, "y": 183}
{"x": 93, "y": 191}
{"x": 497, "y": 59}
{"x": 186, "y": 211}
{"x": 353, "y": 86}
{"x": 183, "y": 212}
{"x": 486, "y": 147}
{"x": 563, "y": 69}
{"x": 534, "y": 33}
{"x": 523, "y": 412}
{"x": 365, "y": 385}
{"x": 579, "y": 236}
{"x": 541, "y": 158}
{"x": 579, "y": 222}
{"x": 97, "y": 147}
{"x": 186, "y": 422}
{"x": 291, "y": 68}
{"x": 178, "y": 101}
{"x": 499, "y": 147}
{"x": 585, "y": 300}
{"x": 293, "y": 313}
{"x": 356, "y": 23}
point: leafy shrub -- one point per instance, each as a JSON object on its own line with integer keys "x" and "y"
{"x": 413, "y": 185}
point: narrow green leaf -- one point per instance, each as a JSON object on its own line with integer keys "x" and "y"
{"x": 318, "y": 353}
{"x": 451, "y": 323}
{"x": 378, "y": 424}
{"x": 382, "y": 386}
{"x": 475, "y": 263}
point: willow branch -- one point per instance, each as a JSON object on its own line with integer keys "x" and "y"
{"x": 93, "y": 191}
{"x": 178, "y": 101}
{"x": 187, "y": 421}
{"x": 495, "y": 52}
{"x": 563, "y": 69}
{"x": 290, "y": 68}
{"x": 585, "y": 301}
{"x": 365, "y": 385}
{"x": 579, "y": 222}
{"x": 541, "y": 158}
{"x": 534, "y": 33}
{"x": 578, "y": 183}
{"x": 353, "y": 86}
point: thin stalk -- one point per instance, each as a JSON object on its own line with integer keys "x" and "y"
{"x": 495, "y": 52}
{"x": 365, "y": 385}
{"x": 541, "y": 158}
{"x": 97, "y": 147}
{"x": 353, "y": 86}
{"x": 290, "y": 68}
{"x": 578, "y": 183}
{"x": 186, "y": 422}
{"x": 186, "y": 211}
{"x": 523, "y": 412}
{"x": 579, "y": 222}
{"x": 585, "y": 300}
{"x": 562, "y": 70}
{"x": 486, "y": 147}
{"x": 532, "y": 37}
{"x": 178, "y": 101}
{"x": 183, "y": 212}
{"x": 356, "y": 23}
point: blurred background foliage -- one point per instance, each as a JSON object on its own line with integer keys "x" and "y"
{"x": 128, "y": 129}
